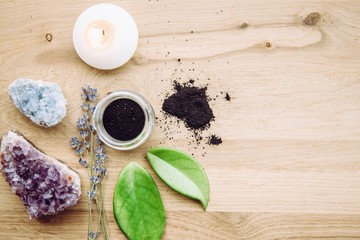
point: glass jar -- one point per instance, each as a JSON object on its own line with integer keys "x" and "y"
{"x": 132, "y": 143}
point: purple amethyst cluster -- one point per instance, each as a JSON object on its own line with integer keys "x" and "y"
{"x": 45, "y": 185}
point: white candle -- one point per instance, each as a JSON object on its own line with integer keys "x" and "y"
{"x": 105, "y": 36}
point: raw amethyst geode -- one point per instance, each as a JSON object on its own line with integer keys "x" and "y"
{"x": 45, "y": 185}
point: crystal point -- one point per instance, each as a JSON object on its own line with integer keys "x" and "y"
{"x": 45, "y": 185}
{"x": 42, "y": 102}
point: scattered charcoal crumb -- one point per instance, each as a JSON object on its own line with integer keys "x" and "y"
{"x": 196, "y": 137}
{"x": 244, "y": 25}
{"x": 190, "y": 104}
{"x": 214, "y": 140}
{"x": 227, "y": 97}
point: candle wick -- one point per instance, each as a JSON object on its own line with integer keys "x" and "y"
{"x": 103, "y": 32}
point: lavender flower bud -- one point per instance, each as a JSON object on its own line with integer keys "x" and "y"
{"x": 100, "y": 149}
{"x": 86, "y": 115}
{"x": 82, "y": 123}
{"x": 85, "y": 88}
{"x": 84, "y": 134}
{"x": 92, "y": 128}
{"x": 98, "y": 140}
{"x": 79, "y": 151}
{"x": 85, "y": 107}
{"x": 84, "y": 96}
{"x": 84, "y": 163}
{"x": 75, "y": 142}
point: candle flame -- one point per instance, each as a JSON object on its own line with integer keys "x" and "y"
{"x": 100, "y": 35}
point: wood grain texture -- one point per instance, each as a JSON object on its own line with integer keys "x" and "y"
{"x": 289, "y": 164}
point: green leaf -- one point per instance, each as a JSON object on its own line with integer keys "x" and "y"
{"x": 181, "y": 172}
{"x": 138, "y": 208}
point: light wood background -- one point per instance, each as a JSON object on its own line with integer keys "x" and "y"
{"x": 289, "y": 164}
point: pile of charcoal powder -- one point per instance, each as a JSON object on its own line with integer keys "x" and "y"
{"x": 191, "y": 105}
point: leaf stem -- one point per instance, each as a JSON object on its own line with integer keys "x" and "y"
{"x": 91, "y": 152}
{"x": 100, "y": 210}
{"x": 91, "y": 185}
{"x": 90, "y": 229}
{"x": 106, "y": 232}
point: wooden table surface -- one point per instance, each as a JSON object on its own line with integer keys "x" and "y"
{"x": 289, "y": 164}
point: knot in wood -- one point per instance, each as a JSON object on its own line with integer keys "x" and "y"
{"x": 48, "y": 37}
{"x": 312, "y": 19}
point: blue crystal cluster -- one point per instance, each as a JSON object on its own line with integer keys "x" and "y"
{"x": 42, "y": 102}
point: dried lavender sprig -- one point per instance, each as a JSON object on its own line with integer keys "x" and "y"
{"x": 91, "y": 144}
